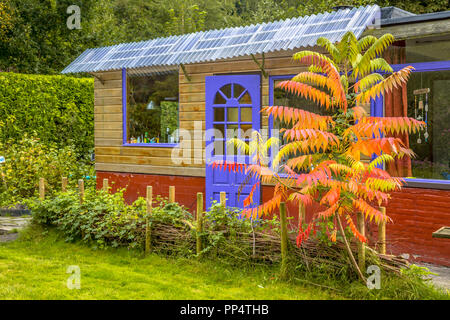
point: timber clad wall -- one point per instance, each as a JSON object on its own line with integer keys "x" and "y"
{"x": 112, "y": 156}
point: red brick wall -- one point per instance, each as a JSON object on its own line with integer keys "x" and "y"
{"x": 186, "y": 188}
{"x": 416, "y": 213}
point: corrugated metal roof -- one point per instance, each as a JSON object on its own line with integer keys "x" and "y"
{"x": 162, "y": 54}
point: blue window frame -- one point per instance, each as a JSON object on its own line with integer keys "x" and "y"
{"x": 377, "y": 110}
{"x": 125, "y": 121}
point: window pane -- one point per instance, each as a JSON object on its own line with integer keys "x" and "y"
{"x": 432, "y": 144}
{"x": 219, "y": 114}
{"x": 246, "y": 99}
{"x": 232, "y": 131}
{"x": 232, "y": 149}
{"x": 246, "y": 114}
{"x": 246, "y": 131}
{"x": 152, "y": 108}
{"x": 219, "y": 131}
{"x": 219, "y": 147}
{"x": 226, "y": 90}
{"x": 238, "y": 89}
{"x": 232, "y": 114}
{"x": 219, "y": 99}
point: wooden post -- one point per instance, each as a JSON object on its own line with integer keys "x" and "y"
{"x": 382, "y": 232}
{"x": 172, "y": 194}
{"x": 148, "y": 231}
{"x": 223, "y": 198}
{"x": 284, "y": 242}
{"x": 41, "y": 188}
{"x": 301, "y": 213}
{"x": 81, "y": 189}
{"x": 361, "y": 245}
{"x": 64, "y": 184}
{"x": 199, "y": 222}
{"x": 105, "y": 185}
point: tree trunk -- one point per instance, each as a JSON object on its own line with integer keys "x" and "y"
{"x": 349, "y": 250}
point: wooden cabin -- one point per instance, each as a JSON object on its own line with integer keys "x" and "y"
{"x": 164, "y": 107}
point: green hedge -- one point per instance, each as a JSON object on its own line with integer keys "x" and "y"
{"x": 57, "y": 109}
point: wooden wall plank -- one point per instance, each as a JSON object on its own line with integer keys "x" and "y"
{"x": 192, "y": 106}
{"x": 166, "y": 170}
{"x": 107, "y": 117}
{"x": 108, "y": 109}
{"x": 107, "y": 150}
{"x": 156, "y": 161}
{"x": 108, "y": 134}
{"x": 192, "y": 116}
{"x": 114, "y": 92}
{"x": 108, "y": 142}
{"x": 109, "y": 84}
{"x": 108, "y": 125}
{"x": 104, "y": 101}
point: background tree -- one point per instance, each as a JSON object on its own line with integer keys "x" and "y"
{"x": 6, "y": 19}
{"x": 34, "y": 37}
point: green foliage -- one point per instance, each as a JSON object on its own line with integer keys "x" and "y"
{"x": 103, "y": 219}
{"x": 169, "y": 119}
{"x": 41, "y": 42}
{"x": 106, "y": 220}
{"x": 57, "y": 109}
{"x": 34, "y": 37}
{"x": 29, "y": 159}
{"x": 6, "y": 22}
{"x": 141, "y": 120}
{"x": 227, "y": 235}
{"x": 410, "y": 285}
{"x": 186, "y": 18}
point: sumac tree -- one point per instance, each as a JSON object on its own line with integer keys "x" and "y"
{"x": 322, "y": 154}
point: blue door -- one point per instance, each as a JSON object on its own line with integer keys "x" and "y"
{"x": 232, "y": 106}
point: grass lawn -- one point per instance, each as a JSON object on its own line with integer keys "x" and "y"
{"x": 34, "y": 267}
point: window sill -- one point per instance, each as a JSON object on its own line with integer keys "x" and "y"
{"x": 427, "y": 183}
{"x": 152, "y": 145}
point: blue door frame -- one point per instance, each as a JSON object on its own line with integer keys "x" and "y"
{"x": 232, "y": 102}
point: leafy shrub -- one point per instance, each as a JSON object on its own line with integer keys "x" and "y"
{"x": 228, "y": 234}
{"x": 58, "y": 109}
{"x": 29, "y": 159}
{"x": 103, "y": 218}
{"x": 107, "y": 220}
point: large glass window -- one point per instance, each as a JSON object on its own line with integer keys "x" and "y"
{"x": 152, "y": 109}
{"x": 429, "y": 100}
